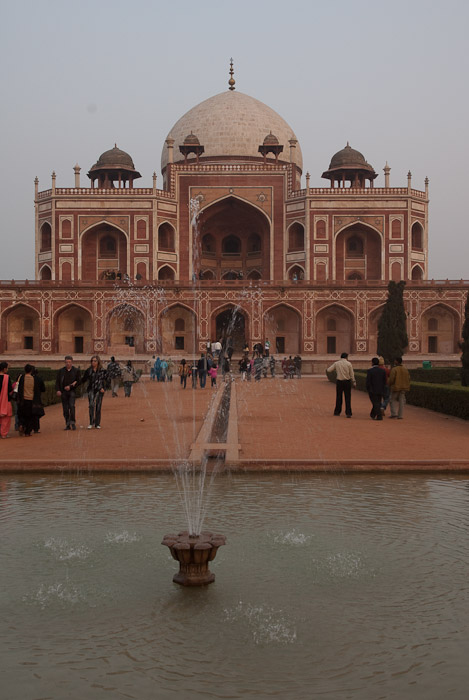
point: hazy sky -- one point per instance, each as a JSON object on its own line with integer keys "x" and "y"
{"x": 391, "y": 78}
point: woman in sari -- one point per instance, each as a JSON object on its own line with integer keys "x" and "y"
{"x": 6, "y": 390}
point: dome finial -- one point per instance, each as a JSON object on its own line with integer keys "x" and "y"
{"x": 231, "y": 81}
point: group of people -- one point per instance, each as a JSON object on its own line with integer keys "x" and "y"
{"x": 384, "y": 385}
{"x": 97, "y": 380}
{"x": 161, "y": 370}
{"x": 21, "y": 398}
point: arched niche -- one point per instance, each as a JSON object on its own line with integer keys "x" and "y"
{"x": 166, "y": 238}
{"x": 254, "y": 275}
{"x": 126, "y": 330}
{"x": 373, "y": 321}
{"x": 296, "y": 237}
{"x": 440, "y": 328}
{"x": 178, "y": 331}
{"x": 45, "y": 237}
{"x": 417, "y": 273}
{"x": 230, "y": 326}
{"x": 73, "y": 330}
{"x": 208, "y": 275}
{"x": 358, "y": 249}
{"x": 103, "y": 252}
{"x": 233, "y": 230}
{"x": 396, "y": 271}
{"x": 295, "y": 273}
{"x": 45, "y": 273}
{"x": 166, "y": 273}
{"x": 339, "y": 340}
{"x": 21, "y": 329}
{"x": 417, "y": 236}
{"x": 141, "y": 272}
{"x": 282, "y": 326}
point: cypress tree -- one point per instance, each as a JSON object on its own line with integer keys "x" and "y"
{"x": 392, "y": 332}
{"x": 465, "y": 346}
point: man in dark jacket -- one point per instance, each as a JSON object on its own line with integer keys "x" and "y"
{"x": 375, "y": 386}
{"x": 202, "y": 370}
{"x": 68, "y": 378}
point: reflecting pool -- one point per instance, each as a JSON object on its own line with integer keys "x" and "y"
{"x": 340, "y": 587}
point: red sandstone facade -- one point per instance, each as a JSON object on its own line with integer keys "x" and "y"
{"x": 230, "y": 245}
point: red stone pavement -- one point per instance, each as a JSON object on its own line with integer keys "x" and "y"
{"x": 281, "y": 424}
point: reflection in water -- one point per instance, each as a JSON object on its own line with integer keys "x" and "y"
{"x": 330, "y": 586}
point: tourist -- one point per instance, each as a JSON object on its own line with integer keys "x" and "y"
{"x": 246, "y": 349}
{"x": 298, "y": 362}
{"x": 129, "y": 376}
{"x": 387, "y": 392}
{"x": 6, "y": 408}
{"x": 375, "y": 386}
{"x": 157, "y": 368}
{"x": 202, "y": 370}
{"x": 67, "y": 380}
{"x": 265, "y": 366}
{"x": 250, "y": 368}
{"x": 169, "y": 369}
{"x": 151, "y": 363}
{"x": 164, "y": 370}
{"x": 95, "y": 375}
{"x": 399, "y": 384}
{"x": 194, "y": 373}
{"x": 272, "y": 366}
{"x": 285, "y": 368}
{"x": 291, "y": 367}
{"x": 345, "y": 381}
{"x": 38, "y": 408}
{"x": 230, "y": 350}
{"x": 216, "y": 349}
{"x": 29, "y": 395}
{"x": 183, "y": 371}
{"x": 243, "y": 368}
{"x": 114, "y": 375}
{"x": 267, "y": 347}
{"x": 213, "y": 371}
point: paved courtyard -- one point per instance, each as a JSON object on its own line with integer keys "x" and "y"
{"x": 282, "y": 424}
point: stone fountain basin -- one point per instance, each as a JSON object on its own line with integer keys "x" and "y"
{"x": 193, "y": 552}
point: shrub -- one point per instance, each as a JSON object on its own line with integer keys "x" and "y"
{"x": 439, "y": 375}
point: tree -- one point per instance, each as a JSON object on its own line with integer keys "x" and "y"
{"x": 465, "y": 346}
{"x": 392, "y": 332}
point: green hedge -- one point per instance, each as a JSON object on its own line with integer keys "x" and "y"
{"x": 444, "y": 398}
{"x": 438, "y": 375}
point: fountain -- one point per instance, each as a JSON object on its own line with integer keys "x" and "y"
{"x": 194, "y": 552}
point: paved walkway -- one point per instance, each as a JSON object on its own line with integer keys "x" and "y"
{"x": 282, "y": 424}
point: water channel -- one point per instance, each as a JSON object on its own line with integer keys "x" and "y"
{"x": 330, "y": 586}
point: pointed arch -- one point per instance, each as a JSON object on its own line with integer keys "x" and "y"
{"x": 443, "y": 336}
{"x": 177, "y": 325}
{"x": 91, "y": 264}
{"x": 125, "y": 329}
{"x": 166, "y": 272}
{"x": 234, "y": 196}
{"x": 333, "y": 342}
{"x": 21, "y": 328}
{"x": 45, "y": 273}
{"x": 417, "y": 273}
{"x": 368, "y": 260}
{"x": 73, "y": 329}
{"x": 282, "y": 326}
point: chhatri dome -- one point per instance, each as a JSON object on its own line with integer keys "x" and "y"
{"x": 232, "y": 124}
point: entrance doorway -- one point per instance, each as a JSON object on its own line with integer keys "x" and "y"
{"x": 231, "y": 329}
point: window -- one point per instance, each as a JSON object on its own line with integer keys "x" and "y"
{"x": 231, "y": 245}
{"x": 107, "y": 247}
{"x": 28, "y": 342}
{"x": 179, "y": 342}
{"x": 78, "y": 344}
{"x": 432, "y": 343}
{"x": 354, "y": 246}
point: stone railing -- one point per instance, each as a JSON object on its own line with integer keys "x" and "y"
{"x": 105, "y": 192}
{"x": 362, "y": 191}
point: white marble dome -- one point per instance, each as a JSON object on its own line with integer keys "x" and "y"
{"x": 232, "y": 124}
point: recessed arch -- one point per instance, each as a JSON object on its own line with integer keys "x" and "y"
{"x": 73, "y": 329}
{"x": 45, "y": 273}
{"x": 178, "y": 329}
{"x": 366, "y": 256}
{"x": 166, "y": 237}
{"x": 166, "y": 272}
{"x": 296, "y": 237}
{"x": 296, "y": 272}
{"x": 230, "y": 325}
{"x": 234, "y": 197}
{"x": 21, "y": 328}
{"x": 45, "y": 235}
{"x": 125, "y": 329}
{"x": 442, "y": 335}
{"x": 417, "y": 236}
{"x": 282, "y": 326}
{"x": 335, "y": 342}
{"x": 92, "y": 264}
{"x": 417, "y": 273}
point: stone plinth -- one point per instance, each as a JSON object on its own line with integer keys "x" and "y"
{"x": 194, "y": 552}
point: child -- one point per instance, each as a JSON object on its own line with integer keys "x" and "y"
{"x": 213, "y": 375}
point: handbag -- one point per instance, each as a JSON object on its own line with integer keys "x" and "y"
{"x": 38, "y": 410}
